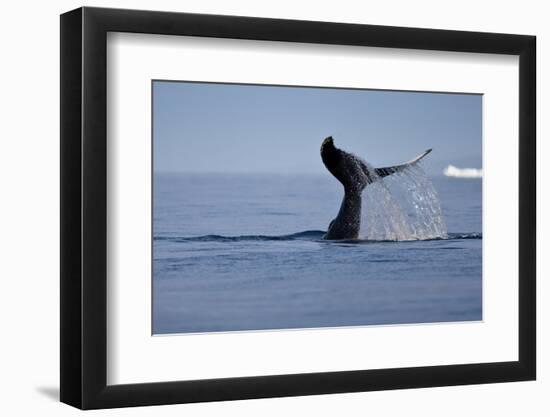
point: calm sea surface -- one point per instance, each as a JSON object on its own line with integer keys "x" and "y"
{"x": 244, "y": 252}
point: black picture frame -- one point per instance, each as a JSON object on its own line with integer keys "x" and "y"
{"x": 84, "y": 207}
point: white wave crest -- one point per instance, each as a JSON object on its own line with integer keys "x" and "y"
{"x": 452, "y": 171}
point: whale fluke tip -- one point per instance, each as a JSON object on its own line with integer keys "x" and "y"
{"x": 328, "y": 144}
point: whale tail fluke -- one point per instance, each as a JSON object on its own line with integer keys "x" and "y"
{"x": 353, "y": 172}
{"x": 385, "y": 171}
{"x": 355, "y": 175}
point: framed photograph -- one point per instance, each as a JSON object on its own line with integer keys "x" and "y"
{"x": 257, "y": 208}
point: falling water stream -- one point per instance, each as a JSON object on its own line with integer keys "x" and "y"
{"x": 402, "y": 206}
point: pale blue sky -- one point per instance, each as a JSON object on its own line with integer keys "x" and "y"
{"x": 202, "y": 127}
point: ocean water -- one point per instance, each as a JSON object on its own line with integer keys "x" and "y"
{"x": 245, "y": 252}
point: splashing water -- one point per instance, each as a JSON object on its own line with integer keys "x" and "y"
{"x": 402, "y": 206}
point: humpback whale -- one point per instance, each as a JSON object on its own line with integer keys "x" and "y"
{"x": 355, "y": 175}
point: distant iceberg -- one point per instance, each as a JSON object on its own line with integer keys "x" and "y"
{"x": 452, "y": 171}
